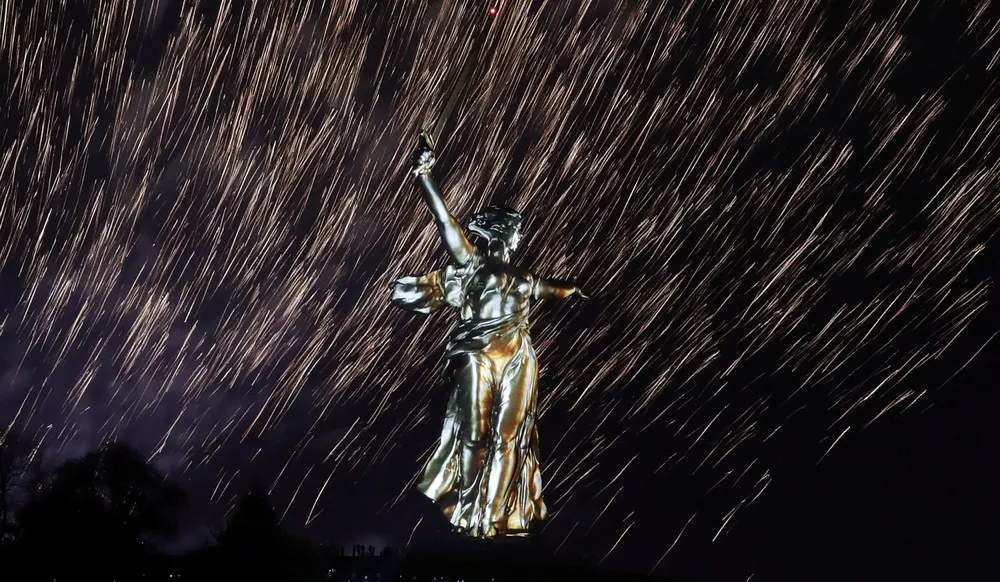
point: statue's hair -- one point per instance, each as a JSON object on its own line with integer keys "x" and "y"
{"x": 498, "y": 220}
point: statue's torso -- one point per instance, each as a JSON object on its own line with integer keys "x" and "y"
{"x": 496, "y": 290}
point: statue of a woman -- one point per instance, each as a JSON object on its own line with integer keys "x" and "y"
{"x": 485, "y": 471}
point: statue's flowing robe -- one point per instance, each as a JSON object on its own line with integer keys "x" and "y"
{"x": 522, "y": 503}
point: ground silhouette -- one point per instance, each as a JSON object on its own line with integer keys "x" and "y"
{"x": 105, "y": 517}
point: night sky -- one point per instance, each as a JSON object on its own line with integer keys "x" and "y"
{"x": 784, "y": 213}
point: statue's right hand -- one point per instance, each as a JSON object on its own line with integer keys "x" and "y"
{"x": 423, "y": 158}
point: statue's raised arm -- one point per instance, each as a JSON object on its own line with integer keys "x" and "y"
{"x": 452, "y": 234}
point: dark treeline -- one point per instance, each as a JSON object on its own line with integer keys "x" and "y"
{"x": 105, "y": 516}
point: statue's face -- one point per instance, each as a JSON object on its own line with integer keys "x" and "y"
{"x": 498, "y": 225}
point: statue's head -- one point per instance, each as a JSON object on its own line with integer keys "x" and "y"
{"x": 499, "y": 225}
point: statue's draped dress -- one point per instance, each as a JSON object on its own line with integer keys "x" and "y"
{"x": 498, "y": 355}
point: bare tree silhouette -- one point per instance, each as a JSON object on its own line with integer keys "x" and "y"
{"x": 254, "y": 546}
{"x": 100, "y": 513}
{"x": 16, "y": 456}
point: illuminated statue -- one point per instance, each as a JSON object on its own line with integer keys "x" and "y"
{"x": 485, "y": 471}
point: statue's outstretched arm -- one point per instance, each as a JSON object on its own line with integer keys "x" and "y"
{"x": 458, "y": 245}
{"x": 556, "y": 289}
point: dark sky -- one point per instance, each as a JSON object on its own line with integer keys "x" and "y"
{"x": 912, "y": 496}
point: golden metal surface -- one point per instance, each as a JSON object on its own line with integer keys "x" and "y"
{"x": 485, "y": 471}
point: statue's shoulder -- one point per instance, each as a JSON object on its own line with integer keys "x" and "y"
{"x": 525, "y": 279}
{"x": 520, "y": 272}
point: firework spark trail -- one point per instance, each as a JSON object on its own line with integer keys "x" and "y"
{"x": 207, "y": 240}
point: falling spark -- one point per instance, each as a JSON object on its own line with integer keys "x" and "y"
{"x": 671, "y": 548}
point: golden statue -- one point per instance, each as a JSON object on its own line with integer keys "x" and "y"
{"x": 485, "y": 472}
